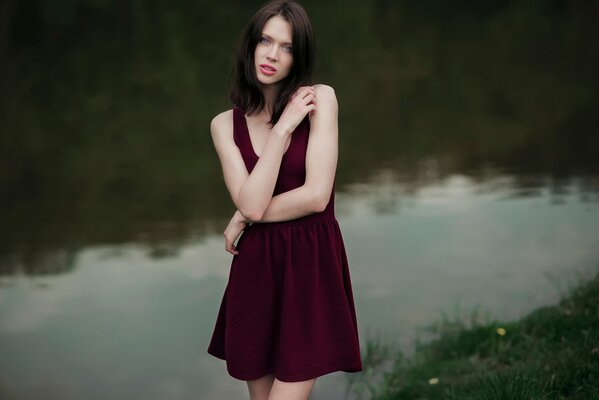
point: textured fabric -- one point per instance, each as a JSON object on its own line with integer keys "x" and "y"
{"x": 288, "y": 307}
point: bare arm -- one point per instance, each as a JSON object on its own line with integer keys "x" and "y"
{"x": 256, "y": 191}
{"x": 321, "y": 164}
{"x": 251, "y": 193}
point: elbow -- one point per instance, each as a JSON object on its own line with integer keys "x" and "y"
{"x": 250, "y": 212}
{"x": 320, "y": 202}
{"x": 321, "y": 206}
{"x": 252, "y": 215}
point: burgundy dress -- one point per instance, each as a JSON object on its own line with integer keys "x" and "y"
{"x": 288, "y": 307}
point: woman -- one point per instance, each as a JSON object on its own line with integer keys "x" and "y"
{"x": 287, "y": 315}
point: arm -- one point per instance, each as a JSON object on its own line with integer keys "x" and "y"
{"x": 251, "y": 193}
{"x": 281, "y": 208}
{"x": 321, "y": 164}
{"x": 248, "y": 191}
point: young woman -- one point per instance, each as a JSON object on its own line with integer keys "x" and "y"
{"x": 287, "y": 315}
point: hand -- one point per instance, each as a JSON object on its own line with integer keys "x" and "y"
{"x": 233, "y": 230}
{"x": 302, "y": 102}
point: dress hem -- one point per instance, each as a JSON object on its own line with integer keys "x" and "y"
{"x": 283, "y": 378}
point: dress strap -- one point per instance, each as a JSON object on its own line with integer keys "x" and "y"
{"x": 239, "y": 134}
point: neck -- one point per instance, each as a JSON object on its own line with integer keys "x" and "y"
{"x": 270, "y": 93}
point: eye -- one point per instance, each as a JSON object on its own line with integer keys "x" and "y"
{"x": 264, "y": 40}
{"x": 287, "y": 49}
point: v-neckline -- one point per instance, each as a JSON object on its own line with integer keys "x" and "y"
{"x": 249, "y": 138}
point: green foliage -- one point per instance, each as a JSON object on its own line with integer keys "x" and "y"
{"x": 551, "y": 354}
{"x": 512, "y": 385}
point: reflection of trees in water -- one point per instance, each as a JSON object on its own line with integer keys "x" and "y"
{"x": 30, "y": 259}
{"x": 386, "y": 191}
{"x": 106, "y": 107}
{"x": 511, "y": 86}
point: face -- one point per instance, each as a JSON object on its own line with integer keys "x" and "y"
{"x": 273, "y": 57}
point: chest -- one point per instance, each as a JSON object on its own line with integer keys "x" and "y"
{"x": 259, "y": 132}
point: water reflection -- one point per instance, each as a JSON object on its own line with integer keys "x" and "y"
{"x": 105, "y": 128}
{"x": 138, "y": 324}
{"x": 468, "y": 172}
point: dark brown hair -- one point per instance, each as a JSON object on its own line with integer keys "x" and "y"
{"x": 245, "y": 91}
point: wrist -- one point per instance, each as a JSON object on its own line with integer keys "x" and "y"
{"x": 238, "y": 216}
{"x": 281, "y": 131}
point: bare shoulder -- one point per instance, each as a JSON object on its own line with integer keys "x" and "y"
{"x": 221, "y": 126}
{"x": 324, "y": 118}
{"x": 325, "y": 93}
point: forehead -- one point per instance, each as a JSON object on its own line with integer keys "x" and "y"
{"x": 278, "y": 28}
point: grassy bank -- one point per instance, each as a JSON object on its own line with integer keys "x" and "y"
{"x": 552, "y": 353}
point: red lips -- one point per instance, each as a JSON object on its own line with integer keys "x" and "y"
{"x": 268, "y": 67}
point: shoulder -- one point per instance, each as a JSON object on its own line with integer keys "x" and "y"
{"x": 325, "y": 92}
{"x": 222, "y": 120}
{"x": 222, "y": 124}
{"x": 326, "y": 98}
{"x": 326, "y": 106}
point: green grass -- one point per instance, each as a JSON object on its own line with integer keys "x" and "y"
{"x": 552, "y": 353}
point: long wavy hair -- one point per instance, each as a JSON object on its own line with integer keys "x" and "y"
{"x": 245, "y": 89}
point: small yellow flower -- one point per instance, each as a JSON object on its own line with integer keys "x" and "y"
{"x": 433, "y": 381}
{"x": 500, "y": 331}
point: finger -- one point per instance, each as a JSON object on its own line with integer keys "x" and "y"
{"x": 230, "y": 248}
{"x": 309, "y": 98}
{"x": 301, "y": 90}
{"x": 304, "y": 90}
{"x": 309, "y": 89}
{"x": 308, "y": 94}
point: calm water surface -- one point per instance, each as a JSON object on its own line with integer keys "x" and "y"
{"x": 124, "y": 324}
{"x": 468, "y": 180}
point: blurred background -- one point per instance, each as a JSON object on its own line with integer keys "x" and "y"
{"x": 467, "y": 182}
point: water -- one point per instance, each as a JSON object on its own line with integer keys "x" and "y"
{"x": 467, "y": 181}
{"x": 124, "y": 324}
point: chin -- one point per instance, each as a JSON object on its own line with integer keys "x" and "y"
{"x": 269, "y": 81}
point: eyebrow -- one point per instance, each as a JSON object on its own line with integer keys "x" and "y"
{"x": 270, "y": 37}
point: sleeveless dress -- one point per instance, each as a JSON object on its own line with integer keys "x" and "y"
{"x": 288, "y": 306}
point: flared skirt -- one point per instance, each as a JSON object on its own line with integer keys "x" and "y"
{"x": 288, "y": 306}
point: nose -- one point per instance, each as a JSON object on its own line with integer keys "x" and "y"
{"x": 273, "y": 53}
